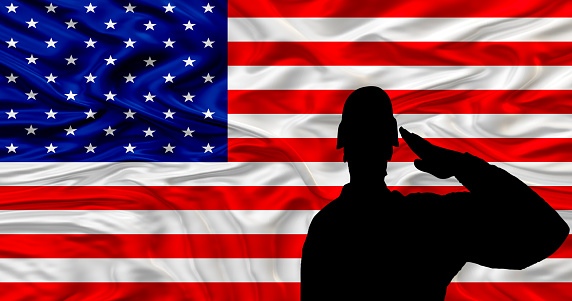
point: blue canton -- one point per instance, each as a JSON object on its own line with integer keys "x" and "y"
{"x": 113, "y": 81}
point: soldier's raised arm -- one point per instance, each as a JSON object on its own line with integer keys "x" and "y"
{"x": 505, "y": 224}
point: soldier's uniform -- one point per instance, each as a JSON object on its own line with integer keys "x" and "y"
{"x": 380, "y": 245}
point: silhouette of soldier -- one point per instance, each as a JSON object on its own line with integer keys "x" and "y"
{"x": 375, "y": 244}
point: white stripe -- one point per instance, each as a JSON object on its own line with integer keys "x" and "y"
{"x": 399, "y": 29}
{"x": 155, "y": 221}
{"x": 228, "y": 270}
{"x": 400, "y": 77}
{"x": 425, "y": 125}
{"x": 247, "y": 174}
{"x": 548, "y": 270}
{"x": 165, "y": 221}
{"x": 149, "y": 270}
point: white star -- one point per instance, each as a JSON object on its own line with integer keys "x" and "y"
{"x": 31, "y": 95}
{"x": 110, "y": 96}
{"x": 188, "y": 132}
{"x": 110, "y": 24}
{"x": 169, "y": 114}
{"x": 11, "y": 148}
{"x": 90, "y": 43}
{"x": 51, "y": 43}
{"x": 90, "y": 8}
{"x": 168, "y": 8}
{"x": 90, "y": 114}
{"x": 148, "y": 132}
{"x": 188, "y": 97}
{"x": 11, "y": 8}
{"x": 189, "y": 62}
{"x": 149, "y": 97}
{"x": 149, "y": 25}
{"x": 51, "y": 78}
{"x": 31, "y": 130}
{"x": 208, "y": 114}
{"x": 32, "y": 23}
{"x": 129, "y": 78}
{"x": 70, "y": 95}
{"x": 90, "y": 78}
{"x": 208, "y": 43}
{"x": 129, "y": 114}
{"x": 51, "y": 148}
{"x": 109, "y": 131}
{"x": 208, "y": 8}
{"x": 71, "y": 24}
{"x": 12, "y": 78}
{"x": 12, "y": 43}
{"x": 70, "y": 130}
{"x": 169, "y": 43}
{"x": 51, "y": 114}
{"x": 71, "y": 60}
{"x": 90, "y": 148}
{"x": 169, "y": 148}
{"x": 189, "y": 25}
{"x": 149, "y": 62}
{"x": 208, "y": 148}
{"x": 11, "y": 114}
{"x": 168, "y": 78}
{"x": 31, "y": 59}
{"x": 129, "y": 148}
{"x": 110, "y": 60}
{"x": 51, "y": 8}
{"x": 208, "y": 78}
{"x": 129, "y": 8}
{"x": 129, "y": 43}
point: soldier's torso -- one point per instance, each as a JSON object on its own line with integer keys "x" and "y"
{"x": 390, "y": 247}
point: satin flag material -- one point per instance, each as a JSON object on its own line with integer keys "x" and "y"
{"x": 491, "y": 78}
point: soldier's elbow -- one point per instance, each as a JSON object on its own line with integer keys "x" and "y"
{"x": 546, "y": 243}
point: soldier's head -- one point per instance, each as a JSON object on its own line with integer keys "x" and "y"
{"x": 368, "y": 128}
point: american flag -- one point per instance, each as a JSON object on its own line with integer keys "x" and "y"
{"x": 114, "y": 113}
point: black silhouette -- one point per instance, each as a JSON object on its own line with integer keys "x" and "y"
{"x": 375, "y": 244}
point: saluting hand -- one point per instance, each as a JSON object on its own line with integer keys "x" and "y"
{"x": 438, "y": 161}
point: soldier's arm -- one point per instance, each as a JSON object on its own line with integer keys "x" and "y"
{"x": 504, "y": 223}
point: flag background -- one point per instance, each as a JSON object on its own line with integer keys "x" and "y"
{"x": 491, "y": 78}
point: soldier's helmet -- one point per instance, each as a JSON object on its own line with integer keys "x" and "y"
{"x": 367, "y": 120}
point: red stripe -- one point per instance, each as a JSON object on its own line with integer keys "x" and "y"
{"x": 49, "y": 291}
{"x": 179, "y": 198}
{"x": 283, "y": 150}
{"x": 565, "y": 250}
{"x": 509, "y": 291}
{"x": 399, "y": 53}
{"x": 143, "y": 291}
{"x": 165, "y": 197}
{"x": 220, "y": 198}
{"x": 404, "y": 101}
{"x": 151, "y": 246}
{"x": 396, "y": 8}
{"x": 324, "y": 149}
{"x": 166, "y": 246}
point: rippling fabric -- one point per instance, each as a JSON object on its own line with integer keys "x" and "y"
{"x": 476, "y": 78}
{"x": 65, "y": 86}
{"x": 489, "y": 77}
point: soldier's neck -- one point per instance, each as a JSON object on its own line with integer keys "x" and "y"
{"x": 369, "y": 180}
{"x": 368, "y": 173}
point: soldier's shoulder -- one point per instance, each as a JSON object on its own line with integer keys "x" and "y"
{"x": 331, "y": 207}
